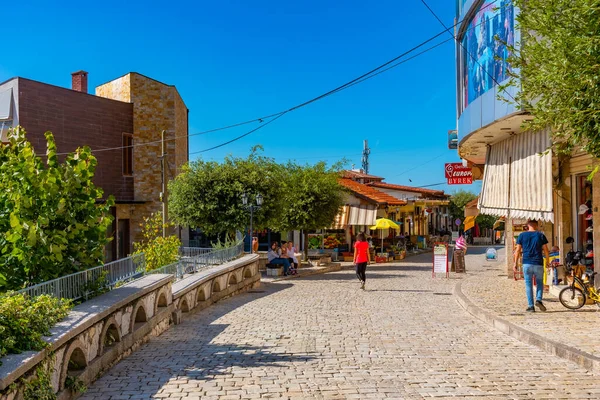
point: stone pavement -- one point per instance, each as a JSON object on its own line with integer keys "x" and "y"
{"x": 320, "y": 337}
{"x": 488, "y": 288}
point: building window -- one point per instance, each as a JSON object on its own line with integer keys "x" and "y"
{"x": 127, "y": 154}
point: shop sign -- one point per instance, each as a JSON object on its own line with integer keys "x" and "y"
{"x": 440, "y": 260}
{"x": 458, "y": 174}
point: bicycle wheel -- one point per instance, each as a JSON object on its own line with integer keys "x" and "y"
{"x": 572, "y": 297}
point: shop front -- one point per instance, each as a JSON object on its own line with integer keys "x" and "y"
{"x": 518, "y": 185}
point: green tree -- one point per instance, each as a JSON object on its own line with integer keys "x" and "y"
{"x": 557, "y": 65}
{"x": 311, "y": 199}
{"x": 207, "y": 194}
{"x": 158, "y": 250}
{"x": 51, "y": 223}
{"x": 458, "y": 201}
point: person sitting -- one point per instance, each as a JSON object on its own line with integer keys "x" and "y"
{"x": 274, "y": 257}
{"x": 291, "y": 255}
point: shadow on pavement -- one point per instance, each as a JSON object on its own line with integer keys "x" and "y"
{"x": 189, "y": 351}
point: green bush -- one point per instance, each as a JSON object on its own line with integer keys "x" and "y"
{"x": 158, "y": 250}
{"x": 24, "y": 320}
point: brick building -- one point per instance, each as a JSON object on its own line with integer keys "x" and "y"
{"x": 130, "y": 110}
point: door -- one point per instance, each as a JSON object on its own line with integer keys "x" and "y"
{"x": 123, "y": 233}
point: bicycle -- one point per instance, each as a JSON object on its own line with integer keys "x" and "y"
{"x": 577, "y": 293}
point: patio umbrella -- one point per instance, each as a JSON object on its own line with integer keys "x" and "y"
{"x": 384, "y": 223}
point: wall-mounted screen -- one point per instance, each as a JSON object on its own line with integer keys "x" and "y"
{"x": 484, "y": 49}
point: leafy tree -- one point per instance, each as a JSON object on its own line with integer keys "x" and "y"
{"x": 50, "y": 221}
{"x": 458, "y": 201}
{"x": 558, "y": 65}
{"x": 207, "y": 194}
{"x": 158, "y": 250}
{"x": 311, "y": 199}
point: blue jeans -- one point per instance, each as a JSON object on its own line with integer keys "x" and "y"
{"x": 529, "y": 270}
{"x": 282, "y": 261}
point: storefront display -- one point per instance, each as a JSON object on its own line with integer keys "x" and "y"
{"x": 585, "y": 225}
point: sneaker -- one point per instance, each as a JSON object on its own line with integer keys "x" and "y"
{"x": 540, "y": 305}
{"x": 583, "y": 209}
{"x": 530, "y": 309}
{"x": 589, "y": 217}
{"x": 590, "y": 229}
{"x": 362, "y": 286}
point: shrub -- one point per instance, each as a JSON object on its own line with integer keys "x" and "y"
{"x": 158, "y": 250}
{"x": 24, "y": 320}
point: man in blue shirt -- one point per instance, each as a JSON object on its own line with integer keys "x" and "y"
{"x": 533, "y": 245}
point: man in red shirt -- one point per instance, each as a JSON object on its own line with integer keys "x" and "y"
{"x": 362, "y": 257}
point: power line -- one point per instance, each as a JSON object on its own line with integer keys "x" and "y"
{"x": 420, "y": 165}
{"x": 368, "y": 75}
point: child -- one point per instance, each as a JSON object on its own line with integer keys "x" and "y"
{"x": 554, "y": 263}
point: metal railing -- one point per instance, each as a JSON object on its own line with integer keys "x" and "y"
{"x": 193, "y": 260}
{"x": 81, "y": 285}
{"x": 85, "y": 284}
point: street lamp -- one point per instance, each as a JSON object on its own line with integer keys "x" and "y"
{"x": 252, "y": 208}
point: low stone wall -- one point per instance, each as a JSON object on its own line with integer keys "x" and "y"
{"x": 204, "y": 288}
{"x": 100, "y": 332}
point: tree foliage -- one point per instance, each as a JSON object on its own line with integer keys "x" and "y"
{"x": 158, "y": 250}
{"x": 558, "y": 67}
{"x": 207, "y": 195}
{"x": 458, "y": 201}
{"x": 311, "y": 198}
{"x": 50, "y": 222}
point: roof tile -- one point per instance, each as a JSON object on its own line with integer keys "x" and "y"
{"x": 371, "y": 193}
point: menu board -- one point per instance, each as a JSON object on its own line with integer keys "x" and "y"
{"x": 440, "y": 259}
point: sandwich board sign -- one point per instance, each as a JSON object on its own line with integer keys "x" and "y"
{"x": 440, "y": 260}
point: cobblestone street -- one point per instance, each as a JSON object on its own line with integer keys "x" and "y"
{"x": 321, "y": 337}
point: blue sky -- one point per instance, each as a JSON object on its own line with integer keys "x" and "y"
{"x": 235, "y": 60}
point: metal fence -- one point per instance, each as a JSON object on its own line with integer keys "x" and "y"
{"x": 90, "y": 282}
{"x": 82, "y": 284}
{"x": 194, "y": 259}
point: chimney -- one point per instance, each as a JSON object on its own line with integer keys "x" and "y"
{"x": 79, "y": 81}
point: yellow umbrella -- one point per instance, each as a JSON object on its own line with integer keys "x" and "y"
{"x": 384, "y": 223}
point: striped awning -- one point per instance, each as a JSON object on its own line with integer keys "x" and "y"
{"x": 341, "y": 218}
{"x": 362, "y": 215}
{"x": 517, "y": 181}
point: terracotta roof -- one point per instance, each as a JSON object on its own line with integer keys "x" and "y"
{"x": 473, "y": 203}
{"x": 438, "y": 193}
{"x": 371, "y": 194}
{"x": 348, "y": 174}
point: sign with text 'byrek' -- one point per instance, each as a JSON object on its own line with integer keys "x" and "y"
{"x": 458, "y": 174}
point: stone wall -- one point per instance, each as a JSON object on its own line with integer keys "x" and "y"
{"x": 100, "y": 332}
{"x": 156, "y": 107}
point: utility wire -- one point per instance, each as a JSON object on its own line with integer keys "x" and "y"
{"x": 374, "y": 72}
{"x": 420, "y": 165}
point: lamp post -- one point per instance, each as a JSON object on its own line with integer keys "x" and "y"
{"x": 252, "y": 208}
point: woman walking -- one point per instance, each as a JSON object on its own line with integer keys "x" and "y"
{"x": 362, "y": 257}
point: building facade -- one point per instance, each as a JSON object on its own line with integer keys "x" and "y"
{"x": 116, "y": 123}
{"x": 523, "y": 179}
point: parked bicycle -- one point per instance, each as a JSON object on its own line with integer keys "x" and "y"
{"x": 581, "y": 288}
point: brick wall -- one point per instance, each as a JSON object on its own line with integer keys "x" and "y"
{"x": 77, "y": 119}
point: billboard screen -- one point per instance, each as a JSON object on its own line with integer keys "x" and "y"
{"x": 483, "y": 56}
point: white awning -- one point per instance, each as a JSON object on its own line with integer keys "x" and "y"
{"x": 517, "y": 181}
{"x": 341, "y": 218}
{"x": 362, "y": 215}
{"x": 6, "y": 104}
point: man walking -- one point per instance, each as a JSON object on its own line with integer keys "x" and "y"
{"x": 533, "y": 245}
